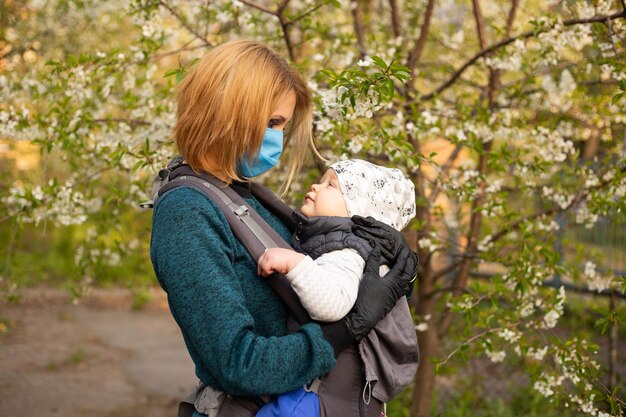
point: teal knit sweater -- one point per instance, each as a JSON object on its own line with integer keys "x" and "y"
{"x": 232, "y": 322}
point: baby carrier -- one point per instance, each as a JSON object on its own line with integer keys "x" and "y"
{"x": 364, "y": 378}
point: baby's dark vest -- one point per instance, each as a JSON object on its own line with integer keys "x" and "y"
{"x": 316, "y": 236}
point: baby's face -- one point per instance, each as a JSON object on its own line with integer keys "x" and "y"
{"x": 325, "y": 198}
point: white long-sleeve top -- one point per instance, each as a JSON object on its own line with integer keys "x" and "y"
{"x": 328, "y": 286}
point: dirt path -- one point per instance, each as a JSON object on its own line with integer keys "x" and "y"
{"x": 97, "y": 358}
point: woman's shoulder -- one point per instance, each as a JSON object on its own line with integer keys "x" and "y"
{"x": 185, "y": 208}
{"x": 186, "y": 214}
{"x": 184, "y": 199}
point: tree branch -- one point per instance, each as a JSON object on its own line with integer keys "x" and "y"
{"x": 515, "y": 226}
{"x": 184, "y": 23}
{"x": 608, "y": 28}
{"x": 480, "y": 24}
{"x": 358, "y": 27}
{"x": 305, "y": 14}
{"x": 567, "y": 286}
{"x": 444, "y": 170}
{"x": 259, "y": 7}
{"x": 576, "y": 200}
{"x": 415, "y": 54}
{"x": 131, "y": 122}
{"x": 282, "y": 6}
{"x": 468, "y": 342}
{"x": 156, "y": 57}
{"x": 446, "y": 289}
{"x": 421, "y": 210}
{"x": 507, "y": 41}
{"x": 495, "y": 80}
{"x": 284, "y": 24}
{"x": 511, "y": 18}
{"x": 288, "y": 42}
{"x": 395, "y": 19}
{"x": 463, "y": 276}
{"x": 208, "y": 20}
{"x": 598, "y": 82}
{"x": 446, "y": 270}
{"x": 476, "y": 216}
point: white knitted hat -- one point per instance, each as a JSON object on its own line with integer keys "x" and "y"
{"x": 371, "y": 190}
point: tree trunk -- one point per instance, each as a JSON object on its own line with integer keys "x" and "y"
{"x": 429, "y": 348}
{"x": 591, "y": 147}
{"x": 425, "y": 381}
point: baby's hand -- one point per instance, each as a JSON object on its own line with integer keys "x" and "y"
{"x": 278, "y": 260}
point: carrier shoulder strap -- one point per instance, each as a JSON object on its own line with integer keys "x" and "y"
{"x": 249, "y": 227}
{"x": 277, "y": 206}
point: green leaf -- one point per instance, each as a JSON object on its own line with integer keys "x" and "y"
{"x": 616, "y": 409}
{"x": 390, "y": 88}
{"x": 603, "y": 324}
{"x": 171, "y": 72}
{"x": 329, "y": 74}
{"x": 379, "y": 62}
{"x": 137, "y": 165}
{"x": 402, "y": 75}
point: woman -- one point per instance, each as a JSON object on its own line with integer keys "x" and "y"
{"x": 233, "y": 109}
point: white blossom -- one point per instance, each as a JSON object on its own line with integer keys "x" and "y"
{"x": 551, "y": 226}
{"x": 585, "y": 10}
{"x": 509, "y": 335}
{"x": 364, "y": 62}
{"x": 543, "y": 388}
{"x": 323, "y": 125}
{"x": 428, "y": 118}
{"x": 550, "y": 319}
{"x": 421, "y": 327}
{"x": 356, "y": 144}
{"x": 426, "y": 243}
{"x": 496, "y": 356}
{"x": 585, "y": 216}
{"x": 537, "y": 354}
{"x": 595, "y": 281}
{"x": 495, "y": 186}
{"x": 485, "y": 244}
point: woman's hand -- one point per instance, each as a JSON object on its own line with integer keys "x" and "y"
{"x": 377, "y": 296}
{"x": 378, "y": 233}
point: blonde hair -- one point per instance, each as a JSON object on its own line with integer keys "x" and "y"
{"x": 225, "y": 104}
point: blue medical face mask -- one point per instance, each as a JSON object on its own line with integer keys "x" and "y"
{"x": 271, "y": 149}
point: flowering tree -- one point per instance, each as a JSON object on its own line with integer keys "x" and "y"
{"x": 510, "y": 120}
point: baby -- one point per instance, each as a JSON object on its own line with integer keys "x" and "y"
{"x": 327, "y": 265}
{"x": 327, "y": 277}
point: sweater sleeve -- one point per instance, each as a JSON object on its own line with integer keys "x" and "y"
{"x": 328, "y": 286}
{"x": 193, "y": 255}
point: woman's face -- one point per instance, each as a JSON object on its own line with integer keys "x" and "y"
{"x": 281, "y": 116}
